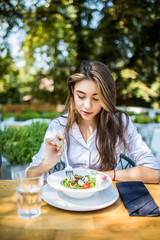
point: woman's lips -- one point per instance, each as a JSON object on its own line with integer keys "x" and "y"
{"x": 86, "y": 113}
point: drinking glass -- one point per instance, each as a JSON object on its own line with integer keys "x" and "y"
{"x": 29, "y": 193}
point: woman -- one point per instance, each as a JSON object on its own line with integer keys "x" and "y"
{"x": 94, "y": 132}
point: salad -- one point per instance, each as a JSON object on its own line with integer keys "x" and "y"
{"x": 80, "y": 182}
{"x": 85, "y": 182}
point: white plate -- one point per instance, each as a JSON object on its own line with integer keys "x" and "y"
{"x": 99, "y": 200}
{"x": 55, "y": 179}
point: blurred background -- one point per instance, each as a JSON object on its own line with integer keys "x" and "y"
{"x": 42, "y": 41}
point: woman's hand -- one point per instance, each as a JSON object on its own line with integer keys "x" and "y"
{"x": 53, "y": 151}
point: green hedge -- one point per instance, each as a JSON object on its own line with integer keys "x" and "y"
{"x": 7, "y": 115}
{"x": 142, "y": 118}
{"x": 19, "y": 145}
{"x": 29, "y": 114}
{"x": 157, "y": 119}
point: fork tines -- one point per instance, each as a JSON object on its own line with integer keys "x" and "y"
{"x": 69, "y": 174}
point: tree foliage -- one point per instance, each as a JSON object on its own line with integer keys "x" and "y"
{"x": 133, "y": 53}
{"x": 61, "y": 33}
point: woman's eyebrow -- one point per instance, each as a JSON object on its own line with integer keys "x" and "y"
{"x": 94, "y": 94}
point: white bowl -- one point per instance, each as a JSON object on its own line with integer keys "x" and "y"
{"x": 55, "y": 179}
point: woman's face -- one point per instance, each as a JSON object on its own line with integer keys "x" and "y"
{"x": 86, "y": 99}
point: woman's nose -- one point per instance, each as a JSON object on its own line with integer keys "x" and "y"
{"x": 87, "y": 103}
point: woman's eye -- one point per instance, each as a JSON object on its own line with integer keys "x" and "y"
{"x": 80, "y": 97}
{"x": 95, "y": 99}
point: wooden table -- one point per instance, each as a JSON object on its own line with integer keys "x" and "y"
{"x": 111, "y": 223}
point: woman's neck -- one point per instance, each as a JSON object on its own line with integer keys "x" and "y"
{"x": 87, "y": 128}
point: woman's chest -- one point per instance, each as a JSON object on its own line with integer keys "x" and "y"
{"x": 82, "y": 154}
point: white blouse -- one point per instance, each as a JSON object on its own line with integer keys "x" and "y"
{"x": 86, "y": 155}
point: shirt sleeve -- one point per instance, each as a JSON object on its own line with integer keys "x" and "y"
{"x": 52, "y": 130}
{"x": 137, "y": 149}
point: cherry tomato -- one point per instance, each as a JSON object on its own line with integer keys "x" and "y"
{"x": 76, "y": 179}
{"x": 86, "y": 185}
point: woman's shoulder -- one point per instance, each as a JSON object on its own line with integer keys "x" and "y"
{"x": 123, "y": 117}
{"x": 124, "y": 121}
{"x": 128, "y": 124}
{"x": 60, "y": 121}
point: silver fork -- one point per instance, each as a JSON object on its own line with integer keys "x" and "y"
{"x": 68, "y": 169}
{"x": 69, "y": 173}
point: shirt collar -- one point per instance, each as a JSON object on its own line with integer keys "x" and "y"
{"x": 76, "y": 134}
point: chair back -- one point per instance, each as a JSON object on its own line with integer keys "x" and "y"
{"x": 125, "y": 162}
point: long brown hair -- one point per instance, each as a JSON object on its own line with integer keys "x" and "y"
{"x": 110, "y": 127}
